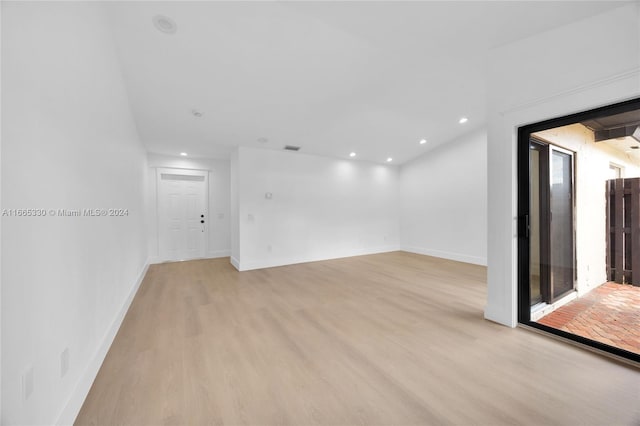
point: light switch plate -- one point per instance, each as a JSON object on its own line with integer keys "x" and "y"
{"x": 27, "y": 383}
{"x": 64, "y": 362}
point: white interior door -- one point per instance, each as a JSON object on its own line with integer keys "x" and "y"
{"x": 182, "y": 214}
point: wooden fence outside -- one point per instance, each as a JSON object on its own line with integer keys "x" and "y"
{"x": 623, "y": 230}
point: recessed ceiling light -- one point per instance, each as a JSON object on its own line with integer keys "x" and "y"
{"x": 196, "y": 113}
{"x": 353, "y": 154}
{"x": 389, "y": 160}
{"x": 184, "y": 154}
{"x": 463, "y": 120}
{"x": 423, "y": 141}
{"x": 164, "y": 24}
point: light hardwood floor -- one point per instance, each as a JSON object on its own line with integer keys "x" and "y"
{"x": 394, "y": 338}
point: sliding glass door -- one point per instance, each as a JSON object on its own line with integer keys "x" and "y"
{"x": 550, "y": 223}
{"x": 557, "y": 231}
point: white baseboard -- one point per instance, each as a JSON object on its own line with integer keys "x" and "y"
{"x": 476, "y": 260}
{"x": 498, "y": 316}
{"x": 79, "y": 394}
{"x": 284, "y": 261}
{"x": 235, "y": 262}
{"x": 214, "y": 254}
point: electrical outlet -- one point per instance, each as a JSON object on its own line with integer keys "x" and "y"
{"x": 64, "y": 362}
{"x": 27, "y": 383}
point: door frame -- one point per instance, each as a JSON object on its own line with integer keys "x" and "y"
{"x": 523, "y": 251}
{"x": 543, "y": 167}
{"x": 184, "y": 172}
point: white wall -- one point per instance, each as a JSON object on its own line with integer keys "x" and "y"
{"x": 218, "y": 239}
{"x": 592, "y": 162}
{"x": 68, "y": 142}
{"x": 444, "y": 201}
{"x": 1, "y": 206}
{"x": 234, "y": 210}
{"x": 321, "y": 208}
{"x": 551, "y": 74}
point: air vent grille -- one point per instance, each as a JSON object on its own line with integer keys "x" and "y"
{"x": 291, "y": 148}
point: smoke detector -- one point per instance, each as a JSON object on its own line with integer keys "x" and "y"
{"x": 164, "y": 24}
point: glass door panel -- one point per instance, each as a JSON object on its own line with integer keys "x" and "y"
{"x": 534, "y": 228}
{"x": 561, "y": 249}
{"x": 550, "y": 223}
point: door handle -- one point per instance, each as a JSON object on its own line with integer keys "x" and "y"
{"x": 202, "y": 221}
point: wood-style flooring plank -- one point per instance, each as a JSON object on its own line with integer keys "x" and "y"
{"x": 393, "y": 338}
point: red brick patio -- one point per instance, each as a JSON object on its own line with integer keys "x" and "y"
{"x": 609, "y": 314}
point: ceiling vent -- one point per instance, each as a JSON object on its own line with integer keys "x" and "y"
{"x": 291, "y": 148}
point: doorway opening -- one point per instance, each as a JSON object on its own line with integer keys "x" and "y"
{"x": 579, "y": 227}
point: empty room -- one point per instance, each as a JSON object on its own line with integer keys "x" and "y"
{"x": 320, "y": 213}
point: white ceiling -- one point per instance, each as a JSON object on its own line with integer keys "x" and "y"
{"x": 331, "y": 77}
